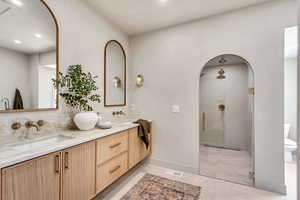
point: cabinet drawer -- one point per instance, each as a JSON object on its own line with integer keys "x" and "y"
{"x": 108, "y": 172}
{"x": 111, "y": 146}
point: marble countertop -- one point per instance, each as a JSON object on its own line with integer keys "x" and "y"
{"x": 10, "y": 155}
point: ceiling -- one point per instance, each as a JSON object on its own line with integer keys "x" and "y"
{"x": 139, "y": 16}
{"x": 22, "y": 22}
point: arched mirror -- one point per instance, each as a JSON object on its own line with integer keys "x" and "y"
{"x": 28, "y": 56}
{"x": 115, "y": 74}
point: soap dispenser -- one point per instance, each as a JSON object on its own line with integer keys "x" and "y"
{"x": 100, "y": 119}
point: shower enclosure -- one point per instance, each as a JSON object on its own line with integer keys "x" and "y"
{"x": 226, "y": 112}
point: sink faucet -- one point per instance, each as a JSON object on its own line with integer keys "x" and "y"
{"x": 6, "y": 103}
{"x": 122, "y": 113}
{"x": 117, "y": 113}
{"x": 30, "y": 124}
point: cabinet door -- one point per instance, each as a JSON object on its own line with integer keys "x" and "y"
{"x": 144, "y": 150}
{"x": 137, "y": 148}
{"x": 79, "y": 167}
{"x": 38, "y": 179}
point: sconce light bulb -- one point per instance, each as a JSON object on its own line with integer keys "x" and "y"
{"x": 140, "y": 80}
{"x": 117, "y": 82}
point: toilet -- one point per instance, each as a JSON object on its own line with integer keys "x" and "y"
{"x": 290, "y": 146}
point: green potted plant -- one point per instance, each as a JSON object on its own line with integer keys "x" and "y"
{"x": 78, "y": 89}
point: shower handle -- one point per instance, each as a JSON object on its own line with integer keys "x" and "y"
{"x": 203, "y": 121}
{"x": 221, "y": 107}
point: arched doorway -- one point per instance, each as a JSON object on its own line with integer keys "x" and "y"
{"x": 226, "y": 102}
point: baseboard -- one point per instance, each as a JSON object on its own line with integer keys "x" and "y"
{"x": 281, "y": 190}
{"x": 173, "y": 166}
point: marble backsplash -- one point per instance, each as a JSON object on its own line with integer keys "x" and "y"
{"x": 56, "y": 119}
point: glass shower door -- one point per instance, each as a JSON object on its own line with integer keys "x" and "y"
{"x": 212, "y": 125}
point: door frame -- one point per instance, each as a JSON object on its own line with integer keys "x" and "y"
{"x": 253, "y": 110}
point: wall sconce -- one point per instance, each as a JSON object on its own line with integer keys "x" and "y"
{"x": 140, "y": 80}
{"x": 117, "y": 82}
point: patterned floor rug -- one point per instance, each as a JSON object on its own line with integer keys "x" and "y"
{"x": 152, "y": 187}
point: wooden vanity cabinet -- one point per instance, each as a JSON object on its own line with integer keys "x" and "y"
{"x": 110, "y": 171}
{"x": 111, "y": 159}
{"x": 76, "y": 173}
{"x": 38, "y": 179}
{"x": 66, "y": 175}
{"x": 78, "y": 177}
{"x": 137, "y": 148}
{"x": 111, "y": 146}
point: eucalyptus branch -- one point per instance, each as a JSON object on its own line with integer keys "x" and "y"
{"x": 78, "y": 88}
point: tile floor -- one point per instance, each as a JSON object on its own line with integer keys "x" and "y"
{"x": 212, "y": 189}
{"x": 226, "y": 164}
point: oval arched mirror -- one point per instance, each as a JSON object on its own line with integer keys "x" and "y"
{"x": 28, "y": 56}
{"x": 115, "y": 74}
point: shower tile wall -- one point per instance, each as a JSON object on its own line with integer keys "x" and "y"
{"x": 230, "y": 128}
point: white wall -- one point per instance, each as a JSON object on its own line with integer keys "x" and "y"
{"x": 230, "y": 128}
{"x": 14, "y": 74}
{"x": 47, "y": 94}
{"x": 83, "y": 35}
{"x": 41, "y": 75}
{"x": 47, "y": 72}
{"x": 48, "y": 58}
{"x": 34, "y": 65}
{"x": 171, "y": 61}
{"x": 290, "y": 95}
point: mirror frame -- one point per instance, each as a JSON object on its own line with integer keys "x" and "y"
{"x": 105, "y": 70}
{"x": 57, "y": 69}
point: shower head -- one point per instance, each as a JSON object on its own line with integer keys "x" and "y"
{"x": 222, "y": 60}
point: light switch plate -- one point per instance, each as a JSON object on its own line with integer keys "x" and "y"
{"x": 175, "y": 108}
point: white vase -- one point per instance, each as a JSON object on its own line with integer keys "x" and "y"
{"x": 85, "y": 120}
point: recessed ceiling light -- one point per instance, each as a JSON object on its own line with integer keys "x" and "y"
{"x": 17, "y": 2}
{"x": 37, "y": 35}
{"x": 17, "y": 41}
{"x": 163, "y": 1}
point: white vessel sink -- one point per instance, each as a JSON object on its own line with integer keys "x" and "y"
{"x": 39, "y": 143}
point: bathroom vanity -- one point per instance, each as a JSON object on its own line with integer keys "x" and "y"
{"x": 63, "y": 165}
{"x": 76, "y": 168}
